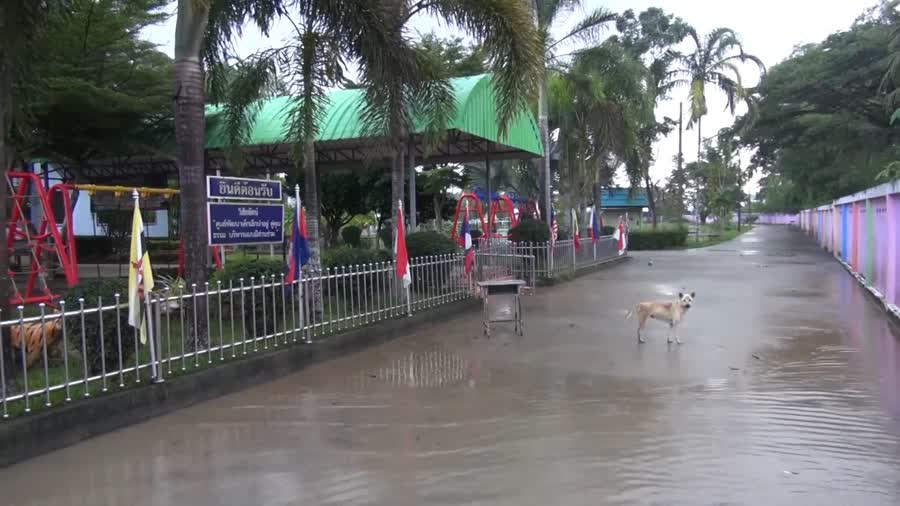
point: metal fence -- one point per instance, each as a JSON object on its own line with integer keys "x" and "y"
{"x": 550, "y": 260}
{"x": 67, "y": 353}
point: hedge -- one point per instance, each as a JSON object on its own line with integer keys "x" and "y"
{"x": 660, "y": 239}
{"x": 91, "y": 291}
{"x": 429, "y": 243}
{"x": 351, "y": 234}
{"x": 530, "y": 230}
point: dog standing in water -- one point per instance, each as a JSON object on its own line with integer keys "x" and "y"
{"x": 668, "y": 312}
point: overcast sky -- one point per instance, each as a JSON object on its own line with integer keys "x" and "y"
{"x": 770, "y": 29}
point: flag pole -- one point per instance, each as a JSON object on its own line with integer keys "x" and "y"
{"x": 148, "y": 315}
{"x": 299, "y": 279}
{"x": 408, "y": 263}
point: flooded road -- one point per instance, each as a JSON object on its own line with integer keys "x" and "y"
{"x": 786, "y": 391}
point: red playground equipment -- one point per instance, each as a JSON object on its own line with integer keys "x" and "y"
{"x": 47, "y": 241}
{"x": 500, "y": 205}
{"x": 462, "y": 205}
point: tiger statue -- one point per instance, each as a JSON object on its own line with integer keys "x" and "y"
{"x": 31, "y": 332}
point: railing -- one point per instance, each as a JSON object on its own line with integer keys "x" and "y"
{"x": 863, "y": 231}
{"x": 90, "y": 348}
{"x": 554, "y": 260}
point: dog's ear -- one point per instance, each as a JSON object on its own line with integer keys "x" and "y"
{"x": 693, "y": 294}
{"x": 680, "y": 295}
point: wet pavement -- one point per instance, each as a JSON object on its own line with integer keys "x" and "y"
{"x": 786, "y": 391}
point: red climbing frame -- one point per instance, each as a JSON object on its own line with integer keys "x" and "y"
{"x": 460, "y": 207}
{"x": 47, "y": 239}
{"x": 498, "y": 207}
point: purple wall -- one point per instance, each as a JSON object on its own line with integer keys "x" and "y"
{"x": 863, "y": 230}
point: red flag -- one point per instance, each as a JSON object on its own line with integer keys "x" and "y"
{"x": 400, "y": 254}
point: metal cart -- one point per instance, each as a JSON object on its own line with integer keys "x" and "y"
{"x": 505, "y": 288}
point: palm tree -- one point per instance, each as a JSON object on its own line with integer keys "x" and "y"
{"x": 22, "y": 22}
{"x": 547, "y": 13}
{"x": 715, "y": 62}
{"x": 598, "y": 103}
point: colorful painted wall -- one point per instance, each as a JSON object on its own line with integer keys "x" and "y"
{"x": 863, "y": 230}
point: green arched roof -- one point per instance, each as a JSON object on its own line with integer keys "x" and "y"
{"x": 475, "y": 115}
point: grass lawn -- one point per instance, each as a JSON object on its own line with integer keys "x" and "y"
{"x": 710, "y": 235}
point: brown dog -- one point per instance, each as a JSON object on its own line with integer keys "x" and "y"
{"x": 668, "y": 312}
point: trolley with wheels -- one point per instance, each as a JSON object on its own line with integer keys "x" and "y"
{"x": 498, "y": 290}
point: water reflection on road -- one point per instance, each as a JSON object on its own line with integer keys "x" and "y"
{"x": 787, "y": 391}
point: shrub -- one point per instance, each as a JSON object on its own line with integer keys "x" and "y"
{"x": 261, "y": 269}
{"x": 660, "y": 239}
{"x": 425, "y": 244}
{"x": 607, "y": 230}
{"x": 429, "y": 243}
{"x": 345, "y": 255}
{"x": 103, "y": 290}
{"x": 530, "y": 230}
{"x": 352, "y": 235}
{"x": 386, "y": 237}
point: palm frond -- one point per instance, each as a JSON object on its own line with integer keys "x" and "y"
{"x": 590, "y": 28}
{"x": 548, "y": 11}
{"x": 512, "y": 46}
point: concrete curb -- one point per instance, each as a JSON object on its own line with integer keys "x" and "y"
{"x": 29, "y": 436}
{"x": 892, "y": 311}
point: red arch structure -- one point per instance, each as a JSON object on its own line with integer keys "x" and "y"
{"x": 503, "y": 205}
{"x": 460, "y": 207}
{"x": 43, "y": 241}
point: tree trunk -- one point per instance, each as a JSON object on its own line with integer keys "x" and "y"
{"x": 699, "y": 158}
{"x": 544, "y": 125}
{"x": 651, "y": 201}
{"x": 190, "y": 142}
{"x": 313, "y": 217}
{"x": 438, "y": 206}
{"x": 6, "y": 314}
{"x": 397, "y": 182}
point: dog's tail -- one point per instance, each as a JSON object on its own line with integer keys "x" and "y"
{"x": 630, "y": 313}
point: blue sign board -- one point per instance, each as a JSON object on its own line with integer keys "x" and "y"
{"x": 232, "y": 224}
{"x": 238, "y": 188}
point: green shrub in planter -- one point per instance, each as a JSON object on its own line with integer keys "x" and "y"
{"x": 660, "y": 239}
{"x": 98, "y": 348}
{"x": 261, "y": 269}
{"x": 530, "y": 230}
{"x": 344, "y": 259}
{"x": 429, "y": 243}
{"x": 346, "y": 256}
{"x": 352, "y": 235}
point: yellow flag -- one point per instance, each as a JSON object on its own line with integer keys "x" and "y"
{"x": 140, "y": 275}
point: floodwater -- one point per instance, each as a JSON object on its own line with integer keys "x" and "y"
{"x": 786, "y": 391}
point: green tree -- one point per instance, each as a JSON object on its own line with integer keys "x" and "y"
{"x": 821, "y": 125}
{"x": 547, "y": 14}
{"x": 343, "y": 197}
{"x": 437, "y": 182}
{"x": 650, "y": 37}
{"x": 103, "y": 91}
{"x": 713, "y": 62}
{"x": 22, "y": 23}
{"x": 459, "y": 59}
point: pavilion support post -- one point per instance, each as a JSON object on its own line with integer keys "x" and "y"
{"x": 487, "y": 185}
{"x": 892, "y": 284}
{"x": 411, "y": 157}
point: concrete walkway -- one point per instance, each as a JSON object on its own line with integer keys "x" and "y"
{"x": 786, "y": 391}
